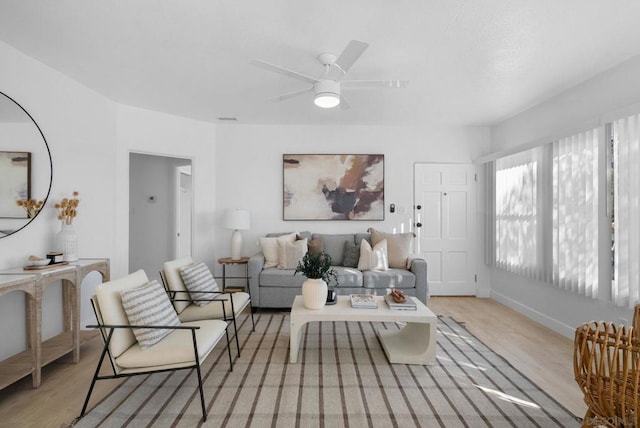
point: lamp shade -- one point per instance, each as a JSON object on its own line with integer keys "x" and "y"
{"x": 237, "y": 219}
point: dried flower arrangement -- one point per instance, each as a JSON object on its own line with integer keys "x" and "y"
{"x": 31, "y": 206}
{"x": 67, "y": 208}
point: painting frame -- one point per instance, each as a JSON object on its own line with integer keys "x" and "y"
{"x": 15, "y": 172}
{"x": 333, "y": 187}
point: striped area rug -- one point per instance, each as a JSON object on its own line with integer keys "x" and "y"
{"x": 342, "y": 379}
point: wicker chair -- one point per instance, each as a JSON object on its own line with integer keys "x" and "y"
{"x": 606, "y": 367}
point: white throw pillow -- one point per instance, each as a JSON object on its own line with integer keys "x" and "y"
{"x": 149, "y": 305}
{"x": 398, "y": 246}
{"x": 375, "y": 258}
{"x": 197, "y": 278}
{"x": 270, "y": 248}
{"x": 290, "y": 253}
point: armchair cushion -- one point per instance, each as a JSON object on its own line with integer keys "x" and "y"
{"x": 175, "y": 350}
{"x": 149, "y": 305}
{"x": 109, "y": 299}
{"x": 200, "y": 283}
{"x": 214, "y": 310}
{"x": 174, "y": 282}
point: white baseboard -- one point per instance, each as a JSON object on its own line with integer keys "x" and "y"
{"x": 552, "y": 323}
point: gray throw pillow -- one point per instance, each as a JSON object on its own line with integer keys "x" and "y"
{"x": 149, "y": 305}
{"x": 200, "y": 283}
{"x": 351, "y": 254}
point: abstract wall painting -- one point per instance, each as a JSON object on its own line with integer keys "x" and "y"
{"x": 333, "y": 187}
{"x": 15, "y": 175}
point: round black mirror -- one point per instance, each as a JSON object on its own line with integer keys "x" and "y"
{"x": 26, "y": 170}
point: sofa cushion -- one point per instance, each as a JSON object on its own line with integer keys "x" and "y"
{"x": 398, "y": 246}
{"x": 274, "y": 277}
{"x": 334, "y": 246}
{"x": 347, "y": 277}
{"x": 373, "y": 258}
{"x": 391, "y": 278}
{"x": 360, "y": 236}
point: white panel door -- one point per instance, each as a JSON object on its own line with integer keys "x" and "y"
{"x": 445, "y": 210}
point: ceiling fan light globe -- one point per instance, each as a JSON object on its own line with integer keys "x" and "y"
{"x": 326, "y": 100}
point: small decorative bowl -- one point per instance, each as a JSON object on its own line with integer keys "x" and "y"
{"x": 42, "y": 262}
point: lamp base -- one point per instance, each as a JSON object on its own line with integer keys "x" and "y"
{"x": 236, "y": 245}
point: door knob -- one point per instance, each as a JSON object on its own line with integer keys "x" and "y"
{"x": 418, "y": 224}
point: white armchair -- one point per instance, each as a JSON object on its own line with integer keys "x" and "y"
{"x": 186, "y": 307}
{"x": 161, "y": 345}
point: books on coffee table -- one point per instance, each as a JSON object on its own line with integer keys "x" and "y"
{"x": 365, "y": 301}
{"x": 408, "y": 305}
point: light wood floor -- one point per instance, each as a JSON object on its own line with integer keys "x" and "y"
{"x": 542, "y": 355}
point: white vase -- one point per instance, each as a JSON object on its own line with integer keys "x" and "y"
{"x": 67, "y": 242}
{"x": 314, "y": 293}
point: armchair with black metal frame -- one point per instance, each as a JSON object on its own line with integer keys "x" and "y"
{"x": 234, "y": 303}
{"x": 184, "y": 346}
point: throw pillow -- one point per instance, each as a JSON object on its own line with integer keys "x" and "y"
{"x": 316, "y": 245}
{"x": 270, "y": 248}
{"x": 398, "y": 246}
{"x": 149, "y": 305}
{"x": 291, "y": 252}
{"x": 199, "y": 282}
{"x": 373, "y": 258}
{"x": 351, "y": 254}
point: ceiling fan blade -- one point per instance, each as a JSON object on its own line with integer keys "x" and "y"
{"x": 347, "y": 58}
{"x": 282, "y": 70}
{"x": 374, "y": 83}
{"x": 344, "y": 104}
{"x": 292, "y": 94}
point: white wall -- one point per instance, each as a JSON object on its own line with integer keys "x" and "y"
{"x": 90, "y": 138}
{"x": 79, "y": 126}
{"x": 249, "y": 170}
{"x": 586, "y": 104}
{"x": 149, "y": 132}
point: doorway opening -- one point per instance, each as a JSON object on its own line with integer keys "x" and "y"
{"x": 160, "y": 211}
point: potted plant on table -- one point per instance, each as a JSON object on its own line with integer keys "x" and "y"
{"x": 317, "y": 268}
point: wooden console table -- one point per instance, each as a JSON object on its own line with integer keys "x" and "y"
{"x": 33, "y": 283}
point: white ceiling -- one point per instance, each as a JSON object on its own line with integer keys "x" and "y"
{"x": 467, "y": 62}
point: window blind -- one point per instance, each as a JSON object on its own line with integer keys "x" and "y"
{"x": 575, "y": 213}
{"x": 626, "y": 284}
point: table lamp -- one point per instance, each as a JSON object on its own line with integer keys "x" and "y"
{"x": 236, "y": 220}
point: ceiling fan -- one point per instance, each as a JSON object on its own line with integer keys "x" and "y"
{"x": 327, "y": 90}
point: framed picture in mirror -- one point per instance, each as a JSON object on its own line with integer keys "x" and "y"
{"x": 15, "y": 183}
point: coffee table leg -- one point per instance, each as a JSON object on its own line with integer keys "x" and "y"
{"x": 295, "y": 331}
{"x": 413, "y": 344}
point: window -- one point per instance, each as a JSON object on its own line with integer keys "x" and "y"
{"x": 516, "y": 213}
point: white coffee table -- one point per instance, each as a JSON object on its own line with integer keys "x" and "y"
{"x": 415, "y": 343}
